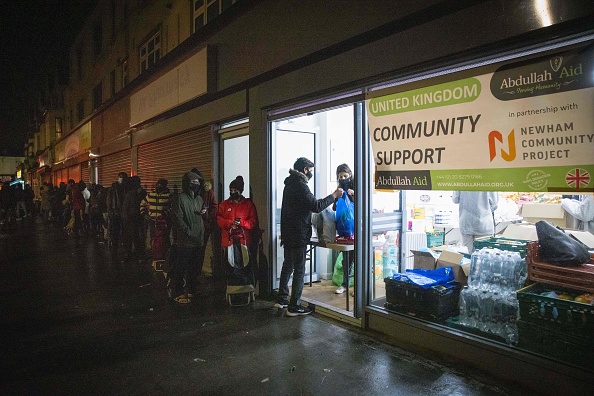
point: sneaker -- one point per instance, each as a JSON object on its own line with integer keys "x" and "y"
{"x": 298, "y": 310}
{"x": 182, "y": 299}
{"x": 340, "y": 290}
{"x": 284, "y": 303}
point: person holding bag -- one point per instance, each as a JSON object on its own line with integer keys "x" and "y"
{"x": 345, "y": 224}
{"x": 237, "y": 218}
{"x": 297, "y": 206}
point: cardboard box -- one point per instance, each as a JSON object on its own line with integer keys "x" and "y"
{"x": 454, "y": 260}
{"x": 533, "y": 212}
{"x": 525, "y": 232}
{"x": 431, "y": 260}
{"x": 424, "y": 260}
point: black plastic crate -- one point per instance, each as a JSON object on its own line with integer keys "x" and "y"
{"x": 556, "y": 314}
{"x": 434, "y": 303}
{"x": 556, "y": 345}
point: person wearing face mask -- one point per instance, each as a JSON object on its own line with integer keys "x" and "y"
{"x": 210, "y": 227}
{"x": 345, "y": 181}
{"x": 115, "y": 200}
{"x": 157, "y": 203}
{"x": 187, "y": 209}
{"x": 237, "y": 215}
{"x": 297, "y": 206}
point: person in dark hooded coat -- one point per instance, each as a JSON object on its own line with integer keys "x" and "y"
{"x": 187, "y": 209}
{"x": 298, "y": 205}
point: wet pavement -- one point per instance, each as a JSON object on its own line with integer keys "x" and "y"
{"x": 77, "y": 322}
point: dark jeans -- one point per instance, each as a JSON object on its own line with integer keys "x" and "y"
{"x": 133, "y": 237}
{"x": 294, "y": 264}
{"x": 115, "y": 230}
{"x": 202, "y": 252}
{"x": 348, "y": 259}
{"x": 185, "y": 267}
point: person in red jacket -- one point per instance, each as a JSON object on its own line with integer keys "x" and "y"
{"x": 237, "y": 214}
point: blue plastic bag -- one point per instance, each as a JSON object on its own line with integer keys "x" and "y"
{"x": 345, "y": 216}
{"x": 428, "y": 278}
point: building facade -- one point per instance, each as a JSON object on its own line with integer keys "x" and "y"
{"x": 245, "y": 87}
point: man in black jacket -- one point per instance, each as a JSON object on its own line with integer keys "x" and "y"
{"x": 297, "y": 207}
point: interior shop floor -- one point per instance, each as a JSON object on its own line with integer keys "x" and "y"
{"x": 323, "y": 292}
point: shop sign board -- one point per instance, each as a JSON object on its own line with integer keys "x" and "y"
{"x": 527, "y": 126}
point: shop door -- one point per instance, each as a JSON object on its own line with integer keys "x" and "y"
{"x": 111, "y": 165}
{"x": 289, "y": 144}
{"x": 235, "y": 158}
{"x": 171, "y": 157}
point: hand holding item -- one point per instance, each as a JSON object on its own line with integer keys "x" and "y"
{"x": 236, "y": 222}
{"x": 338, "y": 193}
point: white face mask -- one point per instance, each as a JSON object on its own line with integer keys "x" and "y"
{"x": 120, "y": 180}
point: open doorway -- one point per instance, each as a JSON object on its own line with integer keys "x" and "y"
{"x": 327, "y": 138}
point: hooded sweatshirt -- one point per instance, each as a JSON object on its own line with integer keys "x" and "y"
{"x": 186, "y": 215}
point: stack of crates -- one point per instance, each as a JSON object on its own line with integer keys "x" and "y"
{"x": 558, "y": 328}
{"x": 510, "y": 245}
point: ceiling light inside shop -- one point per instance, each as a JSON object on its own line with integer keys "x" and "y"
{"x": 542, "y": 9}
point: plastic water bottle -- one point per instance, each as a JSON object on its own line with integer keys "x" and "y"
{"x": 472, "y": 308}
{"x": 485, "y": 310}
{"x": 521, "y": 273}
{"x": 474, "y": 277}
{"x": 508, "y": 274}
{"x": 485, "y": 274}
{"x": 498, "y": 318}
{"x": 496, "y": 272}
{"x": 463, "y": 315}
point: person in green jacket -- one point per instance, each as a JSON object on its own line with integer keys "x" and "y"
{"x": 187, "y": 209}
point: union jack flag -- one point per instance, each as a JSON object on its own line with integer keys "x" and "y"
{"x": 577, "y": 178}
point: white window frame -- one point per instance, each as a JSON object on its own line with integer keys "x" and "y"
{"x": 154, "y": 53}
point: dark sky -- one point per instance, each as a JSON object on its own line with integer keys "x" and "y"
{"x": 34, "y": 39}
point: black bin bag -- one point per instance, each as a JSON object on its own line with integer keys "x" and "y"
{"x": 556, "y": 247}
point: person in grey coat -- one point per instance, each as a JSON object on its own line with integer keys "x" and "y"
{"x": 187, "y": 209}
{"x": 476, "y": 213}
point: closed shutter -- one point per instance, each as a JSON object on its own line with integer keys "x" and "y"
{"x": 84, "y": 173}
{"x": 111, "y": 165}
{"x": 74, "y": 173}
{"x": 171, "y": 157}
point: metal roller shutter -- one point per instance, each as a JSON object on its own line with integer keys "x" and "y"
{"x": 170, "y": 158}
{"x": 111, "y": 165}
{"x": 74, "y": 173}
{"x": 84, "y": 173}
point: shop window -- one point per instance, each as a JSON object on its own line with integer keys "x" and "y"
{"x": 150, "y": 52}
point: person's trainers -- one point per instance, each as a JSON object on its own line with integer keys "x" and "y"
{"x": 284, "y": 303}
{"x": 298, "y": 310}
{"x": 340, "y": 290}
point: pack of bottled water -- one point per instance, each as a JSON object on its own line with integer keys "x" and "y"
{"x": 489, "y": 303}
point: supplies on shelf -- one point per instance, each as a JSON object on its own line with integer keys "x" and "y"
{"x": 489, "y": 303}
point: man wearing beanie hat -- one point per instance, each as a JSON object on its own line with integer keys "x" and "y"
{"x": 297, "y": 207}
{"x": 237, "y": 214}
{"x": 187, "y": 209}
